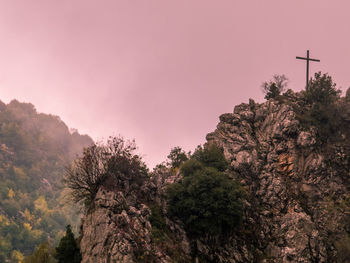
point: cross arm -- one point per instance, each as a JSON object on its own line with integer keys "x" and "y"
{"x": 311, "y": 59}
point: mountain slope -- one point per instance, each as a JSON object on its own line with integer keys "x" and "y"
{"x": 35, "y": 148}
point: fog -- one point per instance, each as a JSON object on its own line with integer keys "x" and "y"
{"x": 161, "y": 72}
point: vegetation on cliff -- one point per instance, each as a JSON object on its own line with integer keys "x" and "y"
{"x": 115, "y": 162}
{"x": 318, "y": 107}
{"x": 322, "y": 108}
{"x": 207, "y": 201}
{"x": 289, "y": 154}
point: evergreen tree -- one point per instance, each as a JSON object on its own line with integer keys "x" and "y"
{"x": 67, "y": 250}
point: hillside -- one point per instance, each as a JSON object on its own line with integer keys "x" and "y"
{"x": 35, "y": 148}
{"x": 290, "y": 154}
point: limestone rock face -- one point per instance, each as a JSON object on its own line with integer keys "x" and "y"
{"x": 294, "y": 192}
{"x": 114, "y": 230}
{"x": 117, "y": 228}
{"x": 297, "y": 210}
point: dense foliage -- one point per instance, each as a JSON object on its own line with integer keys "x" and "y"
{"x": 206, "y": 200}
{"x": 115, "y": 160}
{"x": 68, "y": 250}
{"x": 34, "y": 151}
{"x": 176, "y": 157}
{"x": 322, "y": 107}
{"x": 211, "y": 156}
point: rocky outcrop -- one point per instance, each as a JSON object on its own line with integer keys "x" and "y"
{"x": 297, "y": 208}
{"x": 295, "y": 194}
{"x": 117, "y": 228}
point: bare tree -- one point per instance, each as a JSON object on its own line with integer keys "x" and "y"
{"x": 115, "y": 160}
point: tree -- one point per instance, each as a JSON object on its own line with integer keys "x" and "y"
{"x": 274, "y": 87}
{"x": 191, "y": 166}
{"x": 206, "y": 200}
{"x": 177, "y": 156}
{"x": 115, "y": 160}
{"x": 212, "y": 156}
{"x": 321, "y": 109}
{"x": 321, "y": 90}
{"x": 68, "y": 250}
{"x": 42, "y": 254}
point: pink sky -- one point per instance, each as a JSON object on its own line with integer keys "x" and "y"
{"x": 162, "y": 71}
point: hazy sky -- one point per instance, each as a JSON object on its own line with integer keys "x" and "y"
{"x": 162, "y": 71}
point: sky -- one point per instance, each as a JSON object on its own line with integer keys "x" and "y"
{"x": 162, "y": 72}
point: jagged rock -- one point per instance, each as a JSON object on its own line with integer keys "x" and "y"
{"x": 295, "y": 212}
{"x": 117, "y": 228}
{"x": 293, "y": 221}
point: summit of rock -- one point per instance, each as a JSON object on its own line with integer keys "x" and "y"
{"x": 297, "y": 209}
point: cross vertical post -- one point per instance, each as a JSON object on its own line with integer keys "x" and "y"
{"x": 307, "y": 68}
{"x": 308, "y": 59}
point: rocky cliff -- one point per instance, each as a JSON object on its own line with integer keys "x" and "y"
{"x": 297, "y": 209}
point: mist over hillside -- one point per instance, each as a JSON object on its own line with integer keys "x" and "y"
{"x": 35, "y": 149}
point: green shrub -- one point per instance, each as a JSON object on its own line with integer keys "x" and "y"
{"x": 321, "y": 90}
{"x": 190, "y": 167}
{"x": 206, "y": 200}
{"x": 211, "y": 156}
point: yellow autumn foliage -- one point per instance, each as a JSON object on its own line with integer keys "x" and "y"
{"x": 41, "y": 204}
{"x": 27, "y": 226}
{"x": 36, "y": 233}
{"x": 17, "y": 256}
{"x": 11, "y": 193}
{"x": 4, "y": 221}
{"x": 28, "y": 215}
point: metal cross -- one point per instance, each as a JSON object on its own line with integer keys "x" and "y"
{"x": 307, "y": 66}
